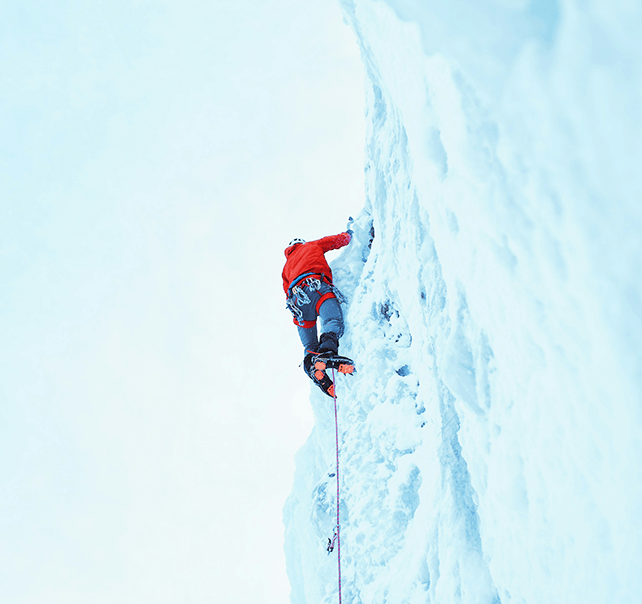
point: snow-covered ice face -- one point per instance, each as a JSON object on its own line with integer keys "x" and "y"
{"x": 489, "y": 442}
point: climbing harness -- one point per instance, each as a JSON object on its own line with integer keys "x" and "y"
{"x": 336, "y": 537}
{"x": 306, "y": 290}
{"x": 304, "y": 277}
{"x": 312, "y": 284}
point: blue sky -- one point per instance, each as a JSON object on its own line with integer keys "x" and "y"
{"x": 156, "y": 157}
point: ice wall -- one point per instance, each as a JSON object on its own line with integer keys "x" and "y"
{"x": 491, "y": 440}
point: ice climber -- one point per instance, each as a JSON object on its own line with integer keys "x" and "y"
{"x": 307, "y": 282}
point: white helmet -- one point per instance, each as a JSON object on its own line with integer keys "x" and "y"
{"x": 295, "y": 241}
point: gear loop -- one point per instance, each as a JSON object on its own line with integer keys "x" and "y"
{"x": 313, "y": 284}
{"x": 297, "y": 313}
{"x": 300, "y": 296}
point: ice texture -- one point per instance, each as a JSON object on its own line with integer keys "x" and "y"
{"x": 490, "y": 442}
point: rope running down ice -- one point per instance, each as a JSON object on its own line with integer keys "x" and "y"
{"x": 337, "y": 528}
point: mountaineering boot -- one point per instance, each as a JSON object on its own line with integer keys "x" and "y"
{"x": 308, "y": 361}
{"x": 329, "y": 343}
{"x": 317, "y": 375}
{"x": 325, "y": 383}
{"x": 328, "y": 357}
{"x": 341, "y": 364}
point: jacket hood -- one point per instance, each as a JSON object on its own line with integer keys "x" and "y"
{"x": 289, "y": 250}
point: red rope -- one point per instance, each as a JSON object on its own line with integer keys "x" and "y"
{"x": 336, "y": 434}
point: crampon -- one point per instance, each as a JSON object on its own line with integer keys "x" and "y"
{"x": 318, "y": 365}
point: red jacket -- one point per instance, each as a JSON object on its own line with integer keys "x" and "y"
{"x": 303, "y": 258}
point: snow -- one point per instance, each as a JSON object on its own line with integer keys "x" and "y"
{"x": 490, "y": 441}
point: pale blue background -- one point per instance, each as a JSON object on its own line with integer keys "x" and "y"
{"x": 155, "y": 158}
